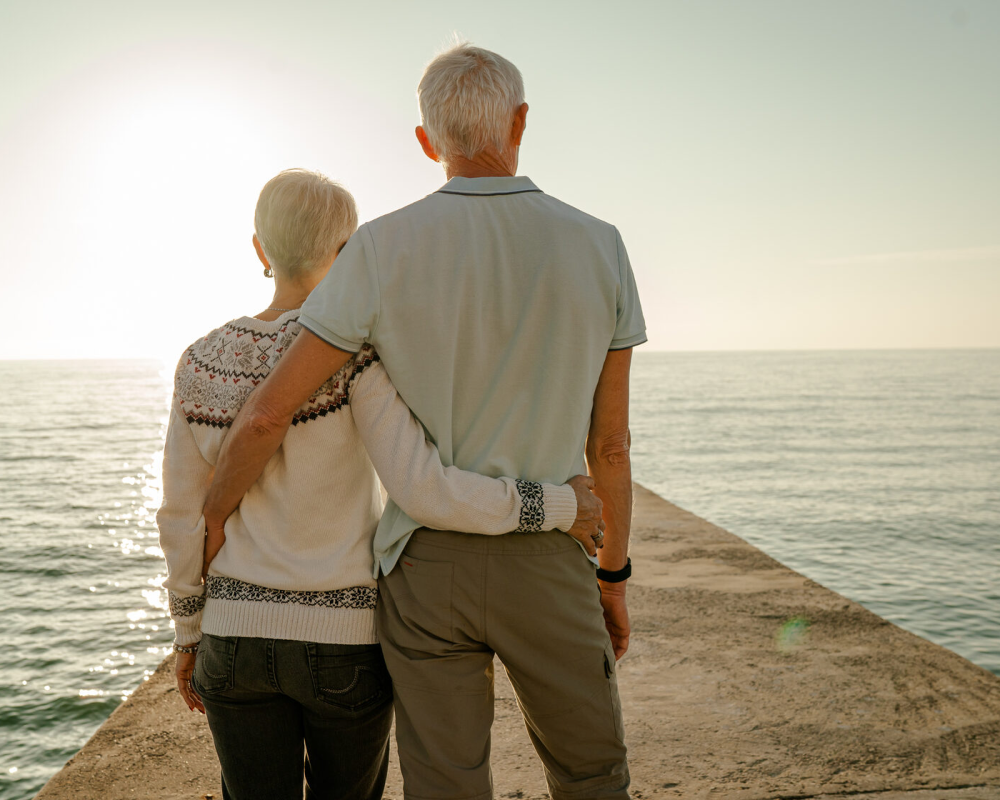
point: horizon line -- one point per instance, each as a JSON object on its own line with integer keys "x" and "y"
{"x": 964, "y": 348}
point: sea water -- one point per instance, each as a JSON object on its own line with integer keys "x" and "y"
{"x": 876, "y": 474}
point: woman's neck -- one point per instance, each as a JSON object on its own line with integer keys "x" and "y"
{"x": 288, "y": 295}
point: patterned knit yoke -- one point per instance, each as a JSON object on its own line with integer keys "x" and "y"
{"x": 218, "y": 373}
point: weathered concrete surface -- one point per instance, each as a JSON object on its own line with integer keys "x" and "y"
{"x": 744, "y": 680}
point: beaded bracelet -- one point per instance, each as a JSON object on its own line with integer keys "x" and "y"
{"x": 186, "y": 648}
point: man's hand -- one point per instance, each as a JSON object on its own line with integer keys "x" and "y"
{"x": 215, "y": 537}
{"x": 184, "y": 669}
{"x": 616, "y": 616}
{"x": 589, "y": 526}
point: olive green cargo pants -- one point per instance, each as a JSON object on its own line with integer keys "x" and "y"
{"x": 455, "y": 599}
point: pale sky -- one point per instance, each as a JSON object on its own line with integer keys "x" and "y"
{"x": 785, "y": 175}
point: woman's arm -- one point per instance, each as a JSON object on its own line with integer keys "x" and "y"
{"x": 186, "y": 478}
{"x": 448, "y": 498}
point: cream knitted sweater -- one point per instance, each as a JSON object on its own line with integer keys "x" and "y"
{"x": 298, "y": 561}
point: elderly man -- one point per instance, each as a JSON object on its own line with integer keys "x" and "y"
{"x": 506, "y": 319}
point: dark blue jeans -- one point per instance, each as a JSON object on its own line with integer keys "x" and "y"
{"x": 282, "y": 712}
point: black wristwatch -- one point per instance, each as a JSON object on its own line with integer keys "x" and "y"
{"x": 617, "y": 576}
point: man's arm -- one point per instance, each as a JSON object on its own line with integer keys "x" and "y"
{"x": 260, "y": 427}
{"x": 610, "y": 466}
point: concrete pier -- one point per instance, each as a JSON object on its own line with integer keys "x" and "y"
{"x": 744, "y": 680}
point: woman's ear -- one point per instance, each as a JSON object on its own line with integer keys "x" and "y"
{"x": 260, "y": 252}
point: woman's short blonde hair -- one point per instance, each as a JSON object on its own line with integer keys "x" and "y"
{"x": 468, "y": 97}
{"x": 303, "y": 219}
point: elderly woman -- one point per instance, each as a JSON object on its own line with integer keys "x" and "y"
{"x": 277, "y": 644}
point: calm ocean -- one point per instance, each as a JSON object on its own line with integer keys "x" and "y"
{"x": 876, "y": 474}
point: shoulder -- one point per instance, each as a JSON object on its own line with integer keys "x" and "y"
{"x": 426, "y": 209}
{"x": 240, "y": 348}
{"x": 574, "y": 216}
{"x": 195, "y": 354}
{"x": 217, "y": 372}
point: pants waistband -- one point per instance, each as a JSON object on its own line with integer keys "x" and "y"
{"x": 521, "y": 544}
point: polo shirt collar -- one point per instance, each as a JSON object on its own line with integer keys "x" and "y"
{"x": 489, "y": 186}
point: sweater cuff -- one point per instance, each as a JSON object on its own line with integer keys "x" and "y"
{"x": 560, "y": 507}
{"x": 185, "y": 611}
{"x": 187, "y": 630}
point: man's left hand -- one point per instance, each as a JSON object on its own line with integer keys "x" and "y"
{"x": 616, "y": 616}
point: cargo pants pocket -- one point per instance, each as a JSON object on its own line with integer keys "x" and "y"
{"x": 422, "y": 592}
{"x": 616, "y": 703}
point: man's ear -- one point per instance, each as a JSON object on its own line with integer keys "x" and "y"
{"x": 260, "y": 252}
{"x": 425, "y": 143}
{"x": 520, "y": 123}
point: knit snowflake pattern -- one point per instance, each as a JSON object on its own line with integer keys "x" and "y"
{"x": 185, "y": 606}
{"x": 352, "y": 597}
{"x": 532, "y": 506}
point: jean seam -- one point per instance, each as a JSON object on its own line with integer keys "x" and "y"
{"x": 272, "y": 673}
{"x": 313, "y": 656}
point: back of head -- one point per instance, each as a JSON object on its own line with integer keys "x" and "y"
{"x": 302, "y": 220}
{"x": 468, "y": 97}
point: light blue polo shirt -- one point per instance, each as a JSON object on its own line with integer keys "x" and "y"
{"x": 493, "y": 307}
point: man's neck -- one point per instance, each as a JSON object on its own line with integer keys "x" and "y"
{"x": 488, "y": 164}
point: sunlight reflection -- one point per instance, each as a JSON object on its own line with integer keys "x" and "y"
{"x": 155, "y": 598}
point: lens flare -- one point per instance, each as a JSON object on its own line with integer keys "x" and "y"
{"x": 793, "y": 634}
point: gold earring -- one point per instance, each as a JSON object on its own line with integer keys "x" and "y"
{"x": 268, "y": 273}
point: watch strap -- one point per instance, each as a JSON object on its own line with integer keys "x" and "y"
{"x": 615, "y": 576}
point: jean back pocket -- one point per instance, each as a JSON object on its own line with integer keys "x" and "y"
{"x": 213, "y": 666}
{"x": 349, "y": 677}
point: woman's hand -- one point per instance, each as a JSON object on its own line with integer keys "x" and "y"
{"x": 588, "y": 529}
{"x": 184, "y": 670}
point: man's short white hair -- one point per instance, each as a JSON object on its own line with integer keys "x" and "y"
{"x": 303, "y": 219}
{"x": 468, "y": 97}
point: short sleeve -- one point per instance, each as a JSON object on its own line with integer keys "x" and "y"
{"x": 630, "y": 327}
{"x": 344, "y": 309}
